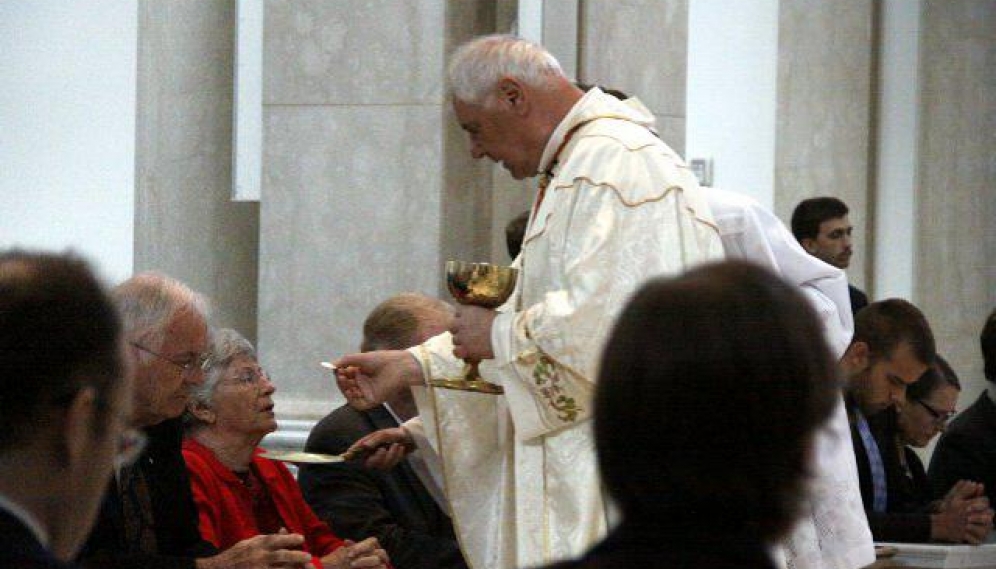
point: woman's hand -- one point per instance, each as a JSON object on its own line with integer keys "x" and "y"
{"x": 366, "y": 554}
{"x": 963, "y": 516}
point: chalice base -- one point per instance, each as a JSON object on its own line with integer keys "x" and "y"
{"x": 471, "y": 381}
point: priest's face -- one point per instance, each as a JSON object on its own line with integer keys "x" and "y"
{"x": 498, "y": 133}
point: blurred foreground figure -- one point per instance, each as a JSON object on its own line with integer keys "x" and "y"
{"x": 65, "y": 402}
{"x": 711, "y": 390}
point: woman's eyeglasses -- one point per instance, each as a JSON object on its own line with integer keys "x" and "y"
{"x": 941, "y": 418}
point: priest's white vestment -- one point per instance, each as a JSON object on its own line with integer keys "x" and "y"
{"x": 519, "y": 469}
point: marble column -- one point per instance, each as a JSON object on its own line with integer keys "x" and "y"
{"x": 823, "y": 122}
{"x": 185, "y": 223}
{"x": 367, "y": 183}
{"x": 641, "y": 48}
{"x": 955, "y": 253}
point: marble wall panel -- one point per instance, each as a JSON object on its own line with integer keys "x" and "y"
{"x": 353, "y": 52}
{"x": 672, "y": 131}
{"x": 350, "y": 215}
{"x": 185, "y": 224}
{"x": 955, "y": 254}
{"x": 823, "y": 120}
{"x": 510, "y": 197}
{"x": 639, "y": 47}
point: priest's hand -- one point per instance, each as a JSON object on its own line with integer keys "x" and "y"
{"x": 370, "y": 378}
{"x": 471, "y": 329}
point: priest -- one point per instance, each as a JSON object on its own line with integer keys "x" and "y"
{"x": 615, "y": 206}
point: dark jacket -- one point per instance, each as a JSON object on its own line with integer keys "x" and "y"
{"x": 650, "y": 546}
{"x": 967, "y": 450}
{"x": 858, "y": 298}
{"x": 358, "y": 502}
{"x": 907, "y": 515}
{"x": 19, "y": 548}
{"x": 173, "y": 511}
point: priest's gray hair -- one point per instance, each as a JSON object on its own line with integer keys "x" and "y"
{"x": 147, "y": 303}
{"x": 226, "y": 345}
{"x": 477, "y": 66}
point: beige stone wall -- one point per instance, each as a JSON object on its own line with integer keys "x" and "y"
{"x": 823, "y": 127}
{"x": 955, "y": 259}
{"x": 367, "y": 184}
{"x": 185, "y": 224}
{"x": 641, "y": 48}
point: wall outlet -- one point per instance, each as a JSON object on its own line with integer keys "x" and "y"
{"x": 702, "y": 168}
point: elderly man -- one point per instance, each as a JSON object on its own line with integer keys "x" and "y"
{"x": 615, "y": 207}
{"x": 149, "y": 518}
{"x": 65, "y": 396}
{"x": 405, "y": 508}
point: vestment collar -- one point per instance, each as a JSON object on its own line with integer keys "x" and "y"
{"x": 593, "y": 105}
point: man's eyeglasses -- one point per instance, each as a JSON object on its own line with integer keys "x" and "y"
{"x": 188, "y": 368}
{"x": 131, "y": 443}
{"x": 941, "y": 418}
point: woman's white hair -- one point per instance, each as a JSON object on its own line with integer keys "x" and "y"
{"x": 226, "y": 345}
{"x": 148, "y": 302}
{"x": 477, "y": 66}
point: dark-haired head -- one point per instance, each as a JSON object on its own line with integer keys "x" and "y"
{"x": 711, "y": 388}
{"x": 937, "y": 375}
{"x": 59, "y": 333}
{"x": 809, "y": 214}
{"x": 886, "y": 324}
{"x": 929, "y": 404}
{"x": 987, "y": 340}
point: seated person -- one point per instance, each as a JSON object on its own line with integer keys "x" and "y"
{"x": 711, "y": 389}
{"x": 967, "y": 449}
{"x": 963, "y": 516}
{"x": 403, "y": 507}
{"x": 239, "y": 494}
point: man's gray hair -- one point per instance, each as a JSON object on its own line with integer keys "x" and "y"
{"x": 477, "y": 66}
{"x": 148, "y": 301}
{"x": 226, "y": 345}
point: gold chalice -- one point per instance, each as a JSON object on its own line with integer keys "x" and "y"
{"x": 484, "y": 285}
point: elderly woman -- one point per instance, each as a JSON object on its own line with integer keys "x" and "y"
{"x": 710, "y": 391}
{"x": 963, "y": 515}
{"x": 238, "y": 493}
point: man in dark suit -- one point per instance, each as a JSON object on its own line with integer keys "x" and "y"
{"x": 822, "y": 228}
{"x": 891, "y": 349}
{"x": 149, "y": 519}
{"x": 65, "y": 396}
{"x": 404, "y": 508}
{"x": 967, "y": 449}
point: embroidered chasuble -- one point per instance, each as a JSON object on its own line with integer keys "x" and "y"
{"x": 519, "y": 469}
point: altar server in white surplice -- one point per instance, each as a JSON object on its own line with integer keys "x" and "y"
{"x": 833, "y": 531}
{"x": 616, "y": 206}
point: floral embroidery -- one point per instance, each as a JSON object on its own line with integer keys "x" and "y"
{"x": 548, "y": 381}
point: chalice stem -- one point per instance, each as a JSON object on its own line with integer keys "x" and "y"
{"x": 470, "y": 371}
